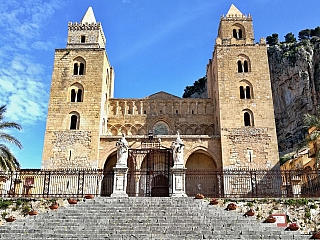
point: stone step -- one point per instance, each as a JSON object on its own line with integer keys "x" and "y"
{"x": 143, "y": 218}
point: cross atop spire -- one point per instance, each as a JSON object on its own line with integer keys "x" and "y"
{"x": 89, "y": 17}
{"x": 233, "y": 11}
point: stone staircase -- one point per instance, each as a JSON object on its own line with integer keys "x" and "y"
{"x": 143, "y": 218}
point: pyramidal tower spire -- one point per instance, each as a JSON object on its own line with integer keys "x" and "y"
{"x": 87, "y": 33}
{"x": 233, "y": 11}
{"x": 89, "y": 17}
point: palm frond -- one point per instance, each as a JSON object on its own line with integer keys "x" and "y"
{"x": 10, "y": 139}
{"x": 7, "y": 160}
{"x": 6, "y": 125}
{"x": 3, "y": 109}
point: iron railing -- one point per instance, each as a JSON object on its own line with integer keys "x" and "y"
{"x": 243, "y": 183}
{"x": 236, "y": 183}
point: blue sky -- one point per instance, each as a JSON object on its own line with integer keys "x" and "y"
{"x": 153, "y": 45}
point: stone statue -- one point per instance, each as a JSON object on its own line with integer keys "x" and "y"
{"x": 177, "y": 147}
{"x": 122, "y": 151}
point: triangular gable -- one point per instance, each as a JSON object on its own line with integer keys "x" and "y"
{"x": 162, "y": 95}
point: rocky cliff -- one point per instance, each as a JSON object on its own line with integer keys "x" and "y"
{"x": 295, "y": 80}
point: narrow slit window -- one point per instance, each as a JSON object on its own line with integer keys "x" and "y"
{"x": 83, "y": 39}
{"x": 240, "y": 34}
{"x": 73, "y": 95}
{"x": 245, "y": 66}
{"x": 79, "y": 95}
{"x": 242, "y": 95}
{"x": 248, "y": 95}
{"x": 73, "y": 122}
{"x": 81, "y": 70}
{"x": 239, "y": 66}
{"x": 75, "y": 69}
{"x": 246, "y": 117}
{"x": 234, "y": 33}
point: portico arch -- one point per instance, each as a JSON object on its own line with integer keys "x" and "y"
{"x": 201, "y": 174}
{"x": 201, "y": 160}
{"x": 107, "y": 181}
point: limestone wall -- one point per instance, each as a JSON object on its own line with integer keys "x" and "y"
{"x": 138, "y": 116}
{"x": 203, "y": 144}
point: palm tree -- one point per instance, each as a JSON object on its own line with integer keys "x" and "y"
{"x": 312, "y": 123}
{"x": 7, "y": 160}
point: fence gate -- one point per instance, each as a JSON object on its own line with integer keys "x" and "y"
{"x": 149, "y": 171}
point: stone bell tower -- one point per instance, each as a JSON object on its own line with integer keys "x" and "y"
{"x": 82, "y": 83}
{"x": 239, "y": 84}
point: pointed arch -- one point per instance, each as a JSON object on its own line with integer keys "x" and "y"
{"x": 238, "y": 31}
{"x": 79, "y": 66}
{"x": 76, "y": 92}
{"x": 245, "y": 89}
{"x": 248, "y": 118}
{"x": 74, "y": 120}
{"x": 243, "y": 63}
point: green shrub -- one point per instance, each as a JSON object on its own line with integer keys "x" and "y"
{"x": 307, "y": 213}
{"x": 313, "y": 206}
{"x": 250, "y": 204}
{"x": 25, "y": 209}
{"x": 4, "y": 204}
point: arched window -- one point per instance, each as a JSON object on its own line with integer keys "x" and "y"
{"x": 79, "y": 66}
{"x": 75, "y": 69}
{"x": 240, "y": 67}
{"x": 245, "y": 89}
{"x": 245, "y": 66}
{"x": 240, "y": 34}
{"x": 73, "y": 95}
{"x": 234, "y": 33}
{"x": 238, "y": 31}
{"x": 81, "y": 69}
{"x": 243, "y": 63}
{"x": 74, "y": 122}
{"x": 242, "y": 94}
{"x": 160, "y": 128}
{"x": 247, "y": 95}
{"x": 246, "y": 118}
{"x": 76, "y": 93}
{"x": 79, "y": 95}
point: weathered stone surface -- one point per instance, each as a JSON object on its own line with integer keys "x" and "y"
{"x": 295, "y": 78}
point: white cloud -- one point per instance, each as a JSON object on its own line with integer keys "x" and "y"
{"x": 22, "y": 77}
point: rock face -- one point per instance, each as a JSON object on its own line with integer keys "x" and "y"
{"x": 295, "y": 80}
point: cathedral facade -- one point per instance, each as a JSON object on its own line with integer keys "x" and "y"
{"x": 234, "y": 128}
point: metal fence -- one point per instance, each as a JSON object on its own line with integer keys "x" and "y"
{"x": 239, "y": 183}
{"x": 236, "y": 183}
{"x": 51, "y": 183}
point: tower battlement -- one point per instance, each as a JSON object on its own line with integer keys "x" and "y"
{"x": 236, "y": 17}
